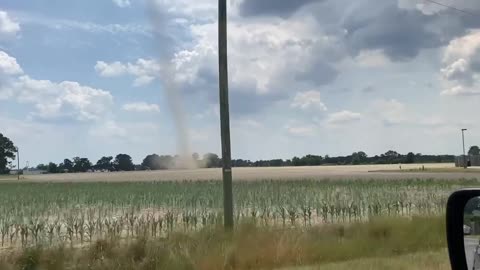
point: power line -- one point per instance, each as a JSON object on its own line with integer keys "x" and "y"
{"x": 452, "y": 7}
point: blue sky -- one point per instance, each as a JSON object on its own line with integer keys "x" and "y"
{"x": 94, "y": 78}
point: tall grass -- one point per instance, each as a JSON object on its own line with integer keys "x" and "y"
{"x": 248, "y": 247}
{"x": 80, "y": 213}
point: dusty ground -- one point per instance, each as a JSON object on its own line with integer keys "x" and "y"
{"x": 318, "y": 172}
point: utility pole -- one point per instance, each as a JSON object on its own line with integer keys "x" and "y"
{"x": 463, "y": 142}
{"x": 225, "y": 116}
{"x": 18, "y": 164}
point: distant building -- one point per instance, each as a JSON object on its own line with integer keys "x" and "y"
{"x": 472, "y": 160}
{"x": 14, "y": 171}
{"x": 34, "y": 171}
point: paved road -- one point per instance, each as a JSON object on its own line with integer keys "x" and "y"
{"x": 470, "y": 244}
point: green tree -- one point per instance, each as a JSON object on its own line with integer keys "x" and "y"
{"x": 410, "y": 158}
{"x": 359, "y": 158}
{"x": 474, "y": 151}
{"x": 105, "y": 163}
{"x": 211, "y": 160}
{"x": 7, "y": 153}
{"x": 81, "y": 164}
{"x": 123, "y": 162}
{"x": 52, "y": 168}
{"x": 68, "y": 165}
{"x": 42, "y": 167}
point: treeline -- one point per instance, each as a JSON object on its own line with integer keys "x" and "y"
{"x": 123, "y": 162}
{"x": 357, "y": 158}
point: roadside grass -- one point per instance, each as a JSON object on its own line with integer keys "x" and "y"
{"x": 431, "y": 260}
{"x": 371, "y": 243}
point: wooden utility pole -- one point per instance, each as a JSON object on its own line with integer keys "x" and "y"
{"x": 225, "y": 116}
{"x": 18, "y": 164}
{"x": 464, "y": 154}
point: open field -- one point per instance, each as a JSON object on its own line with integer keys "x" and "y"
{"x": 434, "y": 171}
{"x": 79, "y": 213}
{"x": 142, "y": 220}
{"x": 378, "y": 242}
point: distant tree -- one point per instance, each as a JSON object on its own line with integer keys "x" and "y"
{"x": 42, "y": 167}
{"x": 105, "y": 163}
{"x": 311, "y": 160}
{"x": 52, "y": 168}
{"x": 474, "y": 151}
{"x": 156, "y": 162}
{"x": 211, "y": 160}
{"x": 296, "y": 161}
{"x": 81, "y": 164}
{"x": 391, "y": 156}
{"x": 7, "y": 153}
{"x": 359, "y": 158}
{"x": 123, "y": 162}
{"x": 410, "y": 158}
{"x": 195, "y": 156}
{"x": 67, "y": 165}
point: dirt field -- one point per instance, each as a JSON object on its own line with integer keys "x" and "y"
{"x": 319, "y": 172}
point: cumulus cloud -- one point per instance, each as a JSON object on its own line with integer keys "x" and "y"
{"x": 343, "y": 117}
{"x": 9, "y": 65}
{"x": 141, "y": 107}
{"x": 144, "y": 70}
{"x": 308, "y": 100}
{"x": 65, "y": 99}
{"x": 461, "y": 67}
{"x": 122, "y": 3}
{"x": 8, "y": 26}
{"x": 279, "y": 56}
{"x": 110, "y": 69}
{"x": 52, "y": 100}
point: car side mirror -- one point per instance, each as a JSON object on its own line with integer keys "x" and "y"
{"x": 463, "y": 229}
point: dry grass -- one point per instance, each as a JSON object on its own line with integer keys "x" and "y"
{"x": 433, "y": 260}
{"x": 248, "y": 247}
{"x": 313, "y": 172}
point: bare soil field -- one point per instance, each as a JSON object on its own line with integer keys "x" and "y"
{"x": 432, "y": 171}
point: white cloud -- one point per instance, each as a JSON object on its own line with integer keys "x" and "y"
{"x": 300, "y": 130}
{"x": 343, "y": 117}
{"x": 9, "y": 65}
{"x": 122, "y": 3}
{"x": 90, "y": 27}
{"x": 274, "y": 52}
{"x": 110, "y": 70}
{"x": 8, "y": 27}
{"x": 308, "y": 100}
{"x": 141, "y": 107}
{"x": 371, "y": 58}
{"x": 65, "y": 99}
{"x": 461, "y": 71}
{"x": 144, "y": 70}
{"x": 460, "y": 91}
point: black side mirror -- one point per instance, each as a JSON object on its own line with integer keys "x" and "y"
{"x": 463, "y": 229}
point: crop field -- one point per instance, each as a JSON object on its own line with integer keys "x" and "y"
{"x": 79, "y": 213}
{"x": 437, "y": 171}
